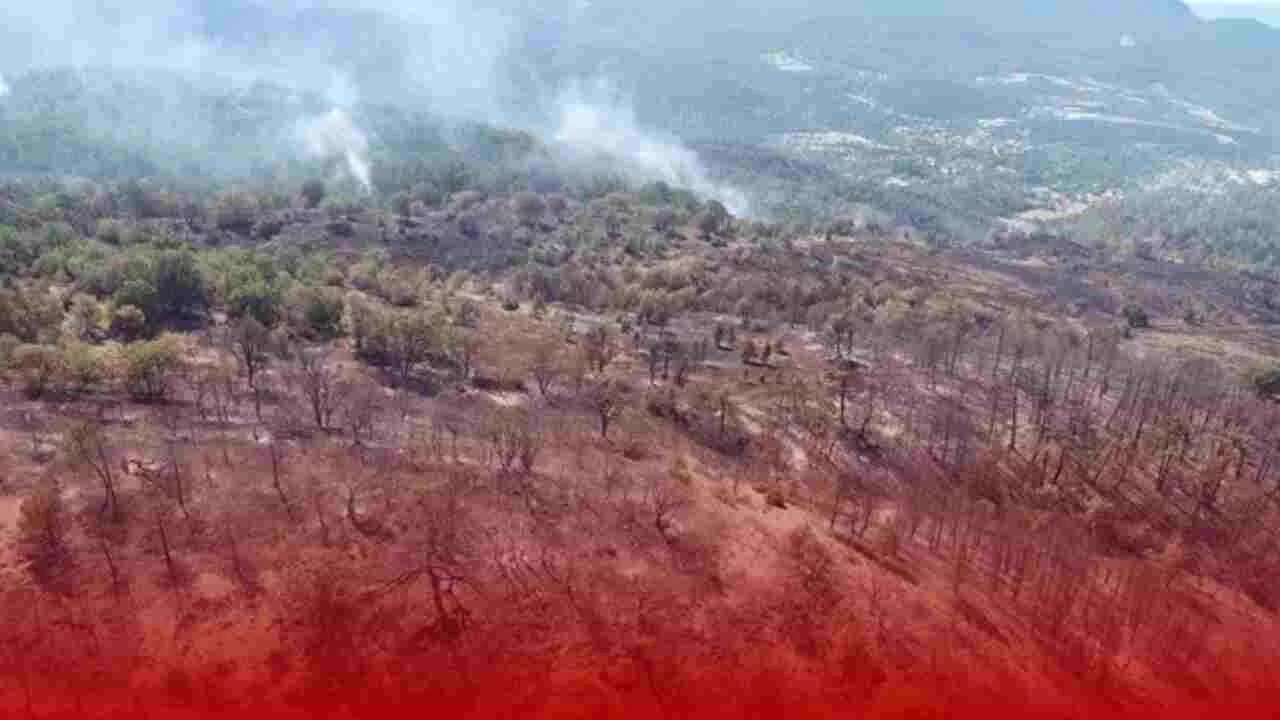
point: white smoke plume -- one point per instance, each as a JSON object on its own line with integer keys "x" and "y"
{"x": 450, "y": 56}
{"x": 335, "y": 135}
{"x": 594, "y": 127}
{"x": 4, "y": 87}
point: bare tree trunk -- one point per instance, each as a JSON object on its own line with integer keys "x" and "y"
{"x": 237, "y": 563}
{"x": 164, "y": 546}
{"x": 111, "y": 565}
{"x": 1013, "y": 395}
{"x": 275, "y": 480}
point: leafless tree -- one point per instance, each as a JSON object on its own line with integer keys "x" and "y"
{"x": 250, "y": 342}
{"x": 90, "y": 447}
{"x": 320, "y": 382}
{"x": 362, "y": 403}
{"x": 607, "y": 399}
{"x": 599, "y": 348}
{"x": 546, "y": 364}
{"x": 43, "y": 528}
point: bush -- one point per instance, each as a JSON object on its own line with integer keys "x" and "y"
{"x": 528, "y": 207}
{"x": 28, "y": 315}
{"x": 465, "y": 200}
{"x": 664, "y": 220}
{"x": 136, "y": 293}
{"x": 1267, "y": 383}
{"x": 313, "y": 192}
{"x": 40, "y": 366}
{"x": 147, "y": 368}
{"x": 235, "y": 212}
{"x": 497, "y": 383}
{"x": 341, "y": 228}
{"x": 402, "y": 204}
{"x": 84, "y": 317}
{"x": 179, "y": 284}
{"x": 83, "y": 366}
{"x": 316, "y": 313}
{"x": 128, "y": 323}
{"x": 166, "y": 286}
{"x": 8, "y": 344}
{"x": 467, "y": 314}
{"x": 255, "y": 299}
{"x": 1135, "y": 317}
{"x": 109, "y": 232}
{"x": 43, "y": 525}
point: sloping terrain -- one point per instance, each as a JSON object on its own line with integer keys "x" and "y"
{"x": 590, "y": 463}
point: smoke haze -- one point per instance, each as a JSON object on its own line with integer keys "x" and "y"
{"x": 596, "y": 125}
{"x": 462, "y": 61}
{"x": 335, "y": 135}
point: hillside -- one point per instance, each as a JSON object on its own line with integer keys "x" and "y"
{"x": 519, "y": 359}
{"x": 610, "y": 449}
{"x": 954, "y": 120}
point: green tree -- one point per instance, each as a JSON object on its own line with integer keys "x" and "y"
{"x": 179, "y": 285}
{"x": 148, "y": 368}
{"x": 140, "y": 295}
{"x": 250, "y": 341}
{"x": 414, "y": 337}
{"x": 255, "y": 299}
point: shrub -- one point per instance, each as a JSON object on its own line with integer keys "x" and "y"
{"x": 664, "y": 220}
{"x": 465, "y": 200}
{"x": 147, "y": 368}
{"x": 83, "y": 366}
{"x": 109, "y": 232}
{"x": 43, "y": 525}
{"x": 179, "y": 284}
{"x": 138, "y": 294}
{"x": 167, "y": 286}
{"x": 39, "y": 366}
{"x": 235, "y": 212}
{"x": 128, "y": 323}
{"x": 467, "y": 314}
{"x": 316, "y": 313}
{"x": 84, "y": 317}
{"x": 557, "y": 204}
{"x": 313, "y": 192}
{"x": 8, "y": 344}
{"x": 1267, "y": 383}
{"x": 1135, "y": 317}
{"x": 402, "y": 204}
{"x": 255, "y": 299}
{"x": 528, "y": 207}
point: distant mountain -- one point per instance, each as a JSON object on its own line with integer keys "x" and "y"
{"x": 1266, "y": 14}
{"x": 1078, "y": 94}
